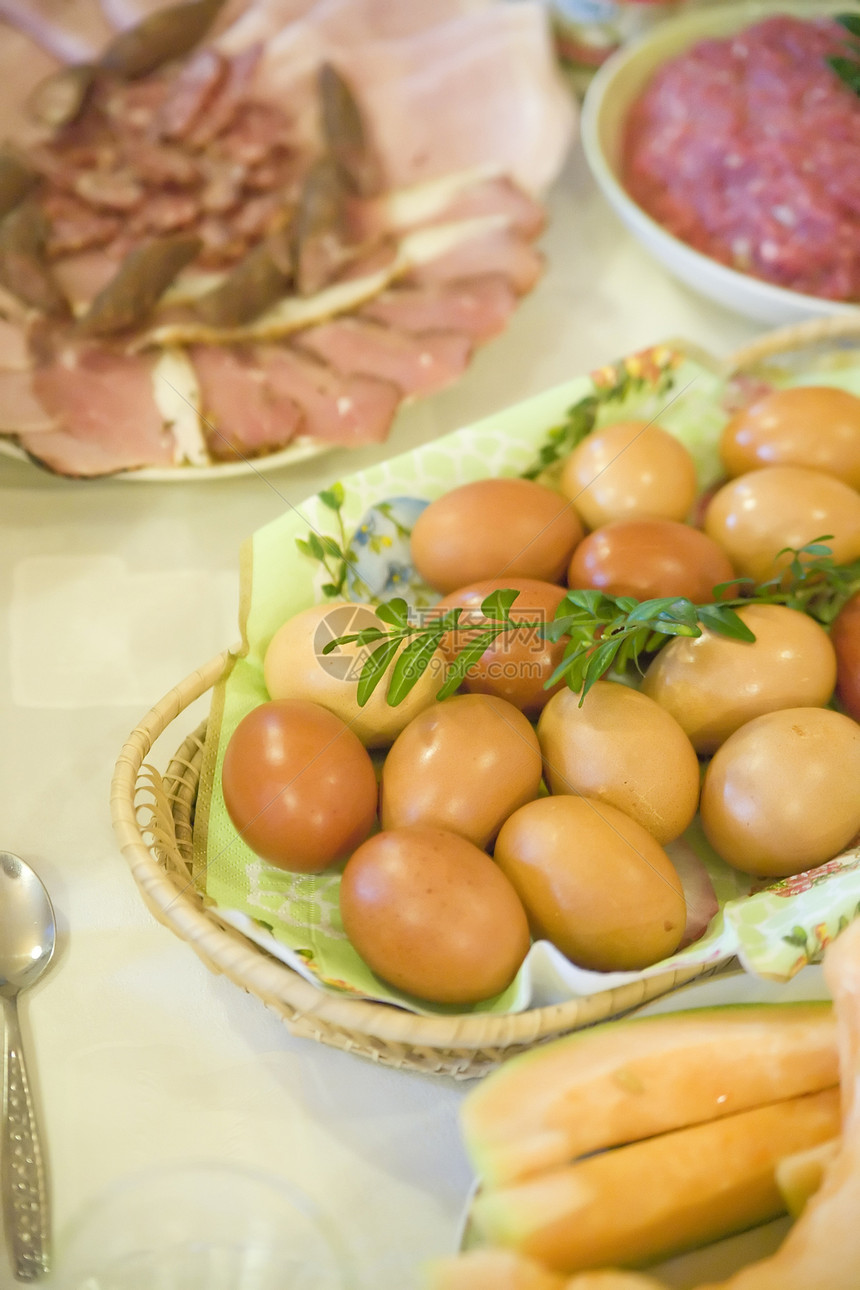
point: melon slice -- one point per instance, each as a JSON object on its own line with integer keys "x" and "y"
{"x": 822, "y": 1250}
{"x": 506, "y": 1270}
{"x": 625, "y": 1080}
{"x": 799, "y": 1176}
{"x": 489, "y": 1270}
{"x": 643, "y": 1202}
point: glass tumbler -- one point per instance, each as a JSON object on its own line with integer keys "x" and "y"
{"x": 201, "y": 1227}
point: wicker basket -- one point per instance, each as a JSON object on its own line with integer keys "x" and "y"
{"x": 154, "y": 817}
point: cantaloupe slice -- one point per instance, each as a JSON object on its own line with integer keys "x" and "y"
{"x": 822, "y": 1250}
{"x": 800, "y": 1175}
{"x": 630, "y": 1079}
{"x": 506, "y": 1270}
{"x": 611, "y": 1280}
{"x": 491, "y": 1269}
{"x": 640, "y": 1203}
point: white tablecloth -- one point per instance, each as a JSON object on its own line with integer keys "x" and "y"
{"x": 111, "y": 592}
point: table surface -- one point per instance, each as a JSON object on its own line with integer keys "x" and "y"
{"x": 111, "y": 592}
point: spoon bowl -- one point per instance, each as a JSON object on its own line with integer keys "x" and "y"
{"x": 27, "y": 940}
{"x": 27, "y": 925}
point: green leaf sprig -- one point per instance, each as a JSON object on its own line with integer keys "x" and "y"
{"x": 848, "y": 69}
{"x": 334, "y": 556}
{"x": 578, "y": 423}
{"x": 603, "y": 633}
{"x": 651, "y": 369}
{"x": 814, "y": 583}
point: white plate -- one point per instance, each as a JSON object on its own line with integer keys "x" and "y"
{"x": 607, "y": 103}
{"x": 298, "y": 451}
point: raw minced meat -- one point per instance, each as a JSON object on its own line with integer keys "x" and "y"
{"x": 748, "y": 149}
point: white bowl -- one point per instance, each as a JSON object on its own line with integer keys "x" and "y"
{"x": 607, "y": 103}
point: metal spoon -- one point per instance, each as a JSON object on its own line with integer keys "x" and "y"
{"x": 27, "y": 938}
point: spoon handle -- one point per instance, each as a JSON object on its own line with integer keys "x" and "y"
{"x": 22, "y": 1177}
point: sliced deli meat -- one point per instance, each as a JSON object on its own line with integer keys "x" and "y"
{"x": 72, "y": 32}
{"x": 415, "y": 363}
{"x": 14, "y": 349}
{"x": 344, "y": 21}
{"x": 336, "y": 409}
{"x": 464, "y": 195}
{"x": 257, "y": 399}
{"x": 478, "y": 307}
{"x": 242, "y": 414}
{"x": 24, "y": 66}
{"x": 497, "y": 67}
{"x": 20, "y": 409}
{"x": 344, "y": 243}
{"x": 122, "y": 14}
{"x": 491, "y": 63}
{"x": 107, "y": 417}
{"x": 494, "y": 250}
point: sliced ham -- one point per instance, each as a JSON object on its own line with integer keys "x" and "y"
{"x": 495, "y": 67}
{"x": 351, "y": 21}
{"x": 466, "y": 196}
{"x": 73, "y": 32}
{"x": 23, "y": 66}
{"x": 417, "y": 364}
{"x": 231, "y": 91}
{"x": 417, "y": 79}
{"x": 255, "y": 22}
{"x": 497, "y": 250}
{"x": 343, "y": 21}
{"x": 76, "y": 226}
{"x": 241, "y": 410}
{"x": 20, "y": 410}
{"x": 191, "y": 93}
{"x": 344, "y": 410}
{"x": 256, "y": 400}
{"x": 81, "y": 277}
{"x": 471, "y": 197}
{"x": 128, "y": 13}
{"x": 160, "y": 163}
{"x": 479, "y": 307}
{"x": 206, "y": 95}
{"x": 14, "y": 348}
{"x": 498, "y": 196}
{"x": 219, "y": 146}
{"x": 106, "y": 413}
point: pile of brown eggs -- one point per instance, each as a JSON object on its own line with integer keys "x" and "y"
{"x": 510, "y": 811}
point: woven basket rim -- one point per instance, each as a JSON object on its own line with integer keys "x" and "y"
{"x": 462, "y": 1045}
{"x": 792, "y": 337}
{"x": 176, "y": 903}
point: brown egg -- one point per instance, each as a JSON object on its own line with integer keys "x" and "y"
{"x": 712, "y": 684}
{"x": 432, "y": 915}
{"x": 621, "y": 747}
{"x": 782, "y": 795}
{"x": 518, "y": 663}
{"x": 758, "y": 515}
{"x": 817, "y": 426}
{"x": 298, "y": 785}
{"x": 295, "y": 667}
{"x": 650, "y": 557}
{"x": 494, "y": 528}
{"x": 845, "y": 636}
{"x": 463, "y": 764}
{"x": 629, "y": 469}
{"x": 593, "y": 882}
